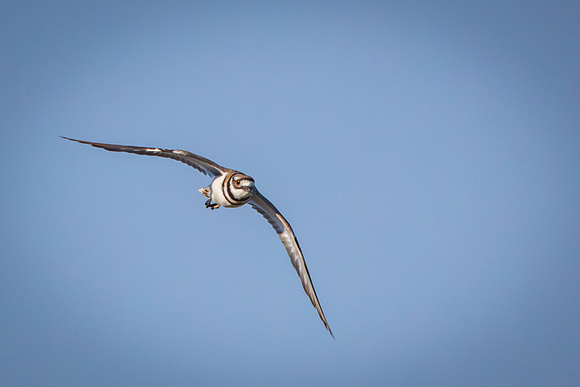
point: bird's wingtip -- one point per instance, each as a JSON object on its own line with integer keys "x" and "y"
{"x": 331, "y": 334}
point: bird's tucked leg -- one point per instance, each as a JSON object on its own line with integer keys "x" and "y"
{"x": 209, "y": 204}
{"x": 206, "y": 191}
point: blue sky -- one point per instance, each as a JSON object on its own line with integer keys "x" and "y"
{"x": 427, "y": 155}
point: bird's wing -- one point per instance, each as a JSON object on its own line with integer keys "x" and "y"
{"x": 200, "y": 163}
{"x": 282, "y": 227}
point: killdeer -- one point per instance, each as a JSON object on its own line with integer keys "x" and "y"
{"x": 230, "y": 188}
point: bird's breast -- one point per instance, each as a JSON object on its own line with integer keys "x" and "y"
{"x": 219, "y": 185}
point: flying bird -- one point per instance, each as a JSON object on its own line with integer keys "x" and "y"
{"x": 231, "y": 188}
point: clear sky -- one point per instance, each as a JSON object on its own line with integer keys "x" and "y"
{"x": 427, "y": 154}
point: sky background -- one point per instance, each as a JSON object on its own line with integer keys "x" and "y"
{"x": 427, "y": 154}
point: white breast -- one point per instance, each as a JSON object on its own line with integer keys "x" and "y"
{"x": 217, "y": 191}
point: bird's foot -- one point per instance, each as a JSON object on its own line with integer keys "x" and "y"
{"x": 210, "y": 205}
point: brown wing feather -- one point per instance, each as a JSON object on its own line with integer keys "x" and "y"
{"x": 200, "y": 163}
{"x": 288, "y": 238}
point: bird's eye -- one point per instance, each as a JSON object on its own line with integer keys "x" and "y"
{"x": 238, "y": 182}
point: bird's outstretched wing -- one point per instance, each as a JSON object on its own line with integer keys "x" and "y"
{"x": 200, "y": 163}
{"x": 288, "y": 238}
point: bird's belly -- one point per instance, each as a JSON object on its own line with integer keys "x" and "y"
{"x": 217, "y": 191}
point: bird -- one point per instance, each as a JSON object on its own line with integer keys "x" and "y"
{"x": 230, "y": 189}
